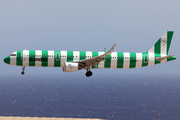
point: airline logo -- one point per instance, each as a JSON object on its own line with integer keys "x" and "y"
{"x": 163, "y": 41}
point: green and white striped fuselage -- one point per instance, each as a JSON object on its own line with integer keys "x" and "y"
{"x": 72, "y": 61}
{"x": 124, "y": 60}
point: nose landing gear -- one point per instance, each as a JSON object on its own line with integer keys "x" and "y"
{"x": 23, "y": 71}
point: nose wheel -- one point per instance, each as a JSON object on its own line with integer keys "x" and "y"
{"x": 88, "y": 73}
{"x": 23, "y": 71}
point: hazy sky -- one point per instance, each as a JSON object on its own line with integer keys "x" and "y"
{"x": 88, "y": 26}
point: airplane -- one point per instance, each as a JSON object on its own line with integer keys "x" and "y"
{"x": 71, "y": 61}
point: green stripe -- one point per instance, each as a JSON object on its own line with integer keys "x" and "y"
{"x": 32, "y": 57}
{"x": 69, "y": 56}
{"x": 157, "y": 47}
{"x": 94, "y": 54}
{"x": 120, "y": 60}
{"x": 19, "y": 58}
{"x": 82, "y": 55}
{"x": 145, "y": 58}
{"x": 157, "y": 50}
{"x": 156, "y": 61}
{"x": 107, "y": 63}
{"x": 57, "y": 58}
{"x": 44, "y": 58}
{"x": 7, "y": 60}
{"x": 169, "y": 38}
{"x": 132, "y": 60}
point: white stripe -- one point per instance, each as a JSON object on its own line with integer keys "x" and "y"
{"x": 101, "y": 64}
{"x": 51, "y": 59}
{"x": 88, "y": 54}
{"x": 164, "y": 47}
{"x": 165, "y": 60}
{"x": 126, "y": 60}
{"x": 114, "y": 60}
{"x": 25, "y": 57}
{"x": 13, "y": 59}
{"x": 76, "y": 55}
{"x": 38, "y": 54}
{"x": 151, "y": 59}
{"x": 139, "y": 60}
{"x": 164, "y": 44}
{"x": 63, "y": 58}
{"x": 151, "y": 50}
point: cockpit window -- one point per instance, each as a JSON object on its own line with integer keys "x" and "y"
{"x": 13, "y": 55}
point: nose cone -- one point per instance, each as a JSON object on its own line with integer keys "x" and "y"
{"x": 7, "y": 60}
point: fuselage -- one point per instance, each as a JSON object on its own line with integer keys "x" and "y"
{"x": 72, "y": 61}
{"x": 44, "y": 58}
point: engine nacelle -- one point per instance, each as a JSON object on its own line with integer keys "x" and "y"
{"x": 70, "y": 67}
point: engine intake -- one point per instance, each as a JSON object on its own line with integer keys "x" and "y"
{"x": 70, "y": 67}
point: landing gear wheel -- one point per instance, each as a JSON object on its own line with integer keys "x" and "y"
{"x": 22, "y": 72}
{"x": 88, "y": 73}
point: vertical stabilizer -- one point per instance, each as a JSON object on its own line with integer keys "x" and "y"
{"x": 162, "y": 46}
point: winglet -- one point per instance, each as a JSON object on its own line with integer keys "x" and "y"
{"x": 112, "y": 48}
{"x": 104, "y": 50}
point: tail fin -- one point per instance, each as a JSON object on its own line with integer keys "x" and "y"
{"x": 163, "y": 44}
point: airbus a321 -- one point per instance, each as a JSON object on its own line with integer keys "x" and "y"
{"x": 72, "y": 61}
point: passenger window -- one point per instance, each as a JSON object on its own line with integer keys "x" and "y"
{"x": 12, "y": 54}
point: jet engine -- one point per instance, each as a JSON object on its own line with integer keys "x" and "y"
{"x": 70, "y": 67}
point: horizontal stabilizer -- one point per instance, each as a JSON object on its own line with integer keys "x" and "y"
{"x": 162, "y": 58}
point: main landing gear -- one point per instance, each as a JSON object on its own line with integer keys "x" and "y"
{"x": 23, "y": 71}
{"x": 88, "y": 73}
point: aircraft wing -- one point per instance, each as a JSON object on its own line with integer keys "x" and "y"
{"x": 95, "y": 60}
